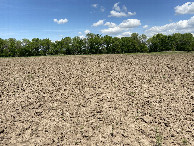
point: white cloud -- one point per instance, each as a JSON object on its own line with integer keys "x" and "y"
{"x": 80, "y": 33}
{"x": 116, "y": 7}
{"x": 82, "y": 36}
{"x": 124, "y": 8}
{"x": 86, "y": 31}
{"x": 102, "y": 9}
{"x": 116, "y": 12}
{"x": 110, "y": 24}
{"x": 113, "y": 31}
{"x": 131, "y": 14}
{"x": 130, "y": 23}
{"x": 182, "y": 26}
{"x": 120, "y": 14}
{"x": 100, "y": 22}
{"x": 145, "y": 26}
{"x": 118, "y": 29}
{"x": 95, "y": 5}
{"x": 125, "y": 34}
{"x": 61, "y": 21}
{"x": 187, "y": 8}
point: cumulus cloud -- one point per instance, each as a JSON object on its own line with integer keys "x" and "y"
{"x": 87, "y": 31}
{"x": 100, "y": 22}
{"x": 114, "y": 13}
{"x": 61, "y": 21}
{"x": 116, "y": 7}
{"x": 125, "y": 34}
{"x": 121, "y": 28}
{"x": 112, "y": 31}
{"x": 182, "y": 26}
{"x": 187, "y": 8}
{"x": 145, "y": 26}
{"x": 120, "y": 14}
{"x": 82, "y": 36}
{"x": 110, "y": 24}
{"x": 117, "y": 12}
{"x": 130, "y": 23}
{"x": 80, "y": 33}
{"x": 95, "y": 5}
{"x": 131, "y": 14}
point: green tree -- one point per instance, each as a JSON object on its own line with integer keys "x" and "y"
{"x": 126, "y": 45}
{"x": 18, "y": 47}
{"x": 158, "y": 43}
{"x": 186, "y": 42}
{"x": 2, "y": 47}
{"x": 45, "y": 46}
{"x": 85, "y": 48}
{"x": 107, "y": 42}
{"x": 94, "y": 43}
{"x": 53, "y": 49}
{"x": 116, "y": 45}
{"x": 66, "y": 46}
{"x": 35, "y": 46}
{"x": 143, "y": 43}
{"x": 78, "y": 45}
{"x": 25, "y": 49}
{"x": 12, "y": 47}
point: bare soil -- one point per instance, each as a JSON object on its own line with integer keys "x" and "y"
{"x": 97, "y": 100}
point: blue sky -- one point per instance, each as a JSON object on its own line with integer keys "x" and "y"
{"x": 55, "y": 19}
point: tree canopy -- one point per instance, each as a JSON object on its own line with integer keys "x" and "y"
{"x": 96, "y": 44}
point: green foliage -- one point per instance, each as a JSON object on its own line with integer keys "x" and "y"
{"x": 107, "y": 44}
{"x": 35, "y": 46}
{"x": 11, "y": 47}
{"x": 185, "y": 142}
{"x": 116, "y": 45}
{"x": 45, "y": 46}
{"x": 65, "y": 46}
{"x": 175, "y": 42}
{"x": 158, "y": 138}
{"x": 77, "y": 45}
{"x": 97, "y": 44}
{"x": 158, "y": 43}
{"x": 94, "y": 43}
{"x": 2, "y": 47}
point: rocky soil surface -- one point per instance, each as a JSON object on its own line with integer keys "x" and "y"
{"x": 144, "y": 99}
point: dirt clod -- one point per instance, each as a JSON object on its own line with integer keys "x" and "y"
{"x": 2, "y": 130}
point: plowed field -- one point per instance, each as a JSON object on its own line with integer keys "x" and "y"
{"x": 144, "y": 99}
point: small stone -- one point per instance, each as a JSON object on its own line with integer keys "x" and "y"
{"x": 111, "y": 134}
{"x": 2, "y": 130}
{"x": 167, "y": 124}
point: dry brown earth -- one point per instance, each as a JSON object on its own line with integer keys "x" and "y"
{"x": 97, "y": 100}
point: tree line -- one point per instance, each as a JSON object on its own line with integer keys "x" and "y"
{"x": 96, "y": 44}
